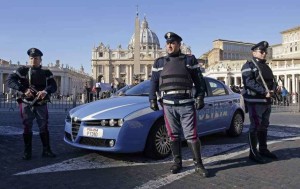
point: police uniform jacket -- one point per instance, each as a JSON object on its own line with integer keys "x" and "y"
{"x": 254, "y": 89}
{"x": 23, "y": 77}
{"x": 193, "y": 69}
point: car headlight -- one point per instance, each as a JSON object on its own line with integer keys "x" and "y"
{"x": 120, "y": 122}
{"x": 103, "y": 122}
{"x": 112, "y": 122}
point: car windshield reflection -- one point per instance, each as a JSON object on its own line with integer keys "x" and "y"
{"x": 141, "y": 89}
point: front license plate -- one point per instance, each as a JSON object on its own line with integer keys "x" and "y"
{"x": 92, "y": 132}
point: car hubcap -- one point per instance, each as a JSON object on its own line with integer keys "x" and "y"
{"x": 162, "y": 141}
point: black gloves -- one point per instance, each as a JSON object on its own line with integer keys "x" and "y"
{"x": 199, "y": 103}
{"x": 154, "y": 105}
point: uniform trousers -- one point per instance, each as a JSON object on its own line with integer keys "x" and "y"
{"x": 259, "y": 115}
{"x": 181, "y": 118}
{"x": 29, "y": 113}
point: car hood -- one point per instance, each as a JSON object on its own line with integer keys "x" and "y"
{"x": 117, "y": 108}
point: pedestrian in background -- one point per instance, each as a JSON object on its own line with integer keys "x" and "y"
{"x": 259, "y": 83}
{"x": 173, "y": 77}
{"x": 35, "y": 84}
{"x": 285, "y": 94}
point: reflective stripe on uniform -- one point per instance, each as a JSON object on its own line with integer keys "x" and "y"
{"x": 193, "y": 67}
{"x": 246, "y": 70}
{"x": 156, "y": 69}
{"x": 179, "y": 102}
{"x": 255, "y": 100}
{"x": 178, "y": 92}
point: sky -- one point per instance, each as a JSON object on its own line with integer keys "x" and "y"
{"x": 67, "y": 30}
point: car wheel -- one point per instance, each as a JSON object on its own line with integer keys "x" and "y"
{"x": 158, "y": 142}
{"x": 237, "y": 124}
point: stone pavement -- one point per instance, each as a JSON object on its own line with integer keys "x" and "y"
{"x": 230, "y": 169}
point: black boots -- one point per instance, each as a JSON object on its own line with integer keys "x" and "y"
{"x": 176, "y": 151}
{"x": 46, "y": 145}
{"x": 254, "y": 155}
{"x": 27, "y": 146}
{"x": 263, "y": 150}
{"x": 199, "y": 168}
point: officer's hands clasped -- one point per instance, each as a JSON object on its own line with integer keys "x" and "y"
{"x": 29, "y": 93}
{"x": 154, "y": 105}
{"x": 199, "y": 103}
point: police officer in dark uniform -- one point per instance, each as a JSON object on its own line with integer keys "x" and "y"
{"x": 172, "y": 79}
{"x": 35, "y": 85}
{"x": 257, "y": 95}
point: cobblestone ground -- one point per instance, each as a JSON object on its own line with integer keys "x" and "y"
{"x": 77, "y": 168}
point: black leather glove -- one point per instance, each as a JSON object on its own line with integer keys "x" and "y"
{"x": 199, "y": 103}
{"x": 154, "y": 105}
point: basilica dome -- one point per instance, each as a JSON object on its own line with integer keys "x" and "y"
{"x": 148, "y": 38}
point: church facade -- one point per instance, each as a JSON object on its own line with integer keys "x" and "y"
{"x": 109, "y": 64}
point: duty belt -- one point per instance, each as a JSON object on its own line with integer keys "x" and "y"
{"x": 183, "y": 101}
{"x": 178, "y": 92}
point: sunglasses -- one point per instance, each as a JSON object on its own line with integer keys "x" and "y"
{"x": 262, "y": 52}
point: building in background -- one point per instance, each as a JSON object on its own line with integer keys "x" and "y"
{"x": 68, "y": 79}
{"x": 225, "y": 63}
{"x": 121, "y": 63}
{"x": 290, "y": 46}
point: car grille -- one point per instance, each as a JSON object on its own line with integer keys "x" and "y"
{"x": 75, "y": 128}
{"x": 94, "y": 141}
{"x": 68, "y": 136}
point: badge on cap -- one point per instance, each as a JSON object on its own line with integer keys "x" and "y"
{"x": 168, "y": 35}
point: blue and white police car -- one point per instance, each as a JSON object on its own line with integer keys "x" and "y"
{"x": 126, "y": 124}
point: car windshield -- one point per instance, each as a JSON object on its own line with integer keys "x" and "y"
{"x": 141, "y": 89}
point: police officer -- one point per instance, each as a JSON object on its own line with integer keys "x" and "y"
{"x": 259, "y": 88}
{"x": 35, "y": 84}
{"x": 172, "y": 78}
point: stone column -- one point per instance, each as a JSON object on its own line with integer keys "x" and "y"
{"x": 117, "y": 71}
{"x": 235, "y": 81}
{"x": 146, "y": 72}
{"x": 1, "y": 83}
{"x": 297, "y": 83}
{"x": 62, "y": 85}
{"x": 293, "y": 91}
{"x": 285, "y": 81}
{"x": 130, "y": 75}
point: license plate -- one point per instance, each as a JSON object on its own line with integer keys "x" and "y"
{"x": 92, "y": 132}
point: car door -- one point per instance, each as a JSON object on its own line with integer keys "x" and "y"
{"x": 219, "y": 104}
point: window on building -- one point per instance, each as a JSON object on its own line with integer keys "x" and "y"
{"x": 100, "y": 69}
{"x": 291, "y": 49}
{"x": 122, "y": 54}
{"x": 100, "y": 54}
{"x": 113, "y": 55}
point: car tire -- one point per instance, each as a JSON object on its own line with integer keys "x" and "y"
{"x": 158, "y": 142}
{"x": 237, "y": 125}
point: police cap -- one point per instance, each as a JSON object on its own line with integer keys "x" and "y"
{"x": 170, "y": 37}
{"x": 263, "y": 45}
{"x": 33, "y": 52}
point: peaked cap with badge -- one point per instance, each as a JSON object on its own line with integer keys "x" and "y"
{"x": 263, "y": 45}
{"x": 34, "y": 52}
{"x": 171, "y": 36}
